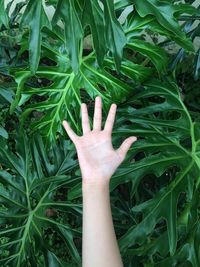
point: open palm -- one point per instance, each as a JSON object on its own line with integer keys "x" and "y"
{"x": 97, "y": 158}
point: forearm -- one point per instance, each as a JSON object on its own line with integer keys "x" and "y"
{"x": 99, "y": 247}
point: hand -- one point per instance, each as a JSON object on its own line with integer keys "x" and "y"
{"x": 97, "y": 159}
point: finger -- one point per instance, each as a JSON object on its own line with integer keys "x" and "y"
{"x": 123, "y": 149}
{"x": 111, "y": 118}
{"x": 85, "y": 119}
{"x": 70, "y": 132}
{"x": 97, "y": 114}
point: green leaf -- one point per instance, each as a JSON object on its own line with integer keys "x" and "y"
{"x": 135, "y": 24}
{"x": 119, "y": 4}
{"x": 66, "y": 11}
{"x": 68, "y": 237}
{"x": 188, "y": 252}
{"x": 115, "y": 37}
{"x": 63, "y": 93}
{"x": 3, "y": 132}
{"x": 6, "y": 93}
{"x": 35, "y": 18}
{"x": 165, "y": 147}
{"x": 185, "y": 9}
{"x": 4, "y": 20}
{"x": 96, "y": 22}
{"x": 164, "y": 14}
{"x": 53, "y": 261}
{"x": 155, "y": 53}
{"x": 25, "y": 218}
{"x": 163, "y": 11}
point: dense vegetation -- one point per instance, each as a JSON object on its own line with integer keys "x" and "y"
{"x": 142, "y": 55}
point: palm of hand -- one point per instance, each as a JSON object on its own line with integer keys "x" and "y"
{"x": 97, "y": 158}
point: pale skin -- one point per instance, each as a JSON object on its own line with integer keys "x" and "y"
{"x": 98, "y": 162}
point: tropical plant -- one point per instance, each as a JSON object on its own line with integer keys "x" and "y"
{"x": 71, "y": 71}
{"x": 168, "y": 154}
{"x": 48, "y": 66}
{"x": 31, "y": 204}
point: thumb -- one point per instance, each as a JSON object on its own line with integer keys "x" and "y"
{"x": 123, "y": 149}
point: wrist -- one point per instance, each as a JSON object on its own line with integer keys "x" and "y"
{"x": 88, "y": 185}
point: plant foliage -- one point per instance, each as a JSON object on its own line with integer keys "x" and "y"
{"x": 142, "y": 55}
{"x": 28, "y": 196}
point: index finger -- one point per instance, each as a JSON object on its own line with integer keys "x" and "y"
{"x": 70, "y": 132}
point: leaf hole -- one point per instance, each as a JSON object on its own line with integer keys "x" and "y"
{"x": 186, "y": 143}
{"x": 36, "y": 82}
{"x": 139, "y": 156}
{"x": 172, "y": 115}
{"x": 156, "y": 99}
{"x": 45, "y": 61}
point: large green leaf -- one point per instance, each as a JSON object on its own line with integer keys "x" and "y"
{"x": 30, "y": 179}
{"x": 35, "y": 18}
{"x": 135, "y": 24}
{"x": 63, "y": 97}
{"x": 164, "y": 13}
{"x": 167, "y": 143}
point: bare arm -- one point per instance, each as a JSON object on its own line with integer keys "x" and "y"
{"x": 98, "y": 161}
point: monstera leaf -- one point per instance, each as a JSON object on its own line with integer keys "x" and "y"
{"x": 105, "y": 27}
{"x": 63, "y": 94}
{"x": 134, "y": 25}
{"x": 106, "y": 30}
{"x": 163, "y": 12}
{"x": 66, "y": 87}
{"x": 30, "y": 178}
{"x": 169, "y": 138}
